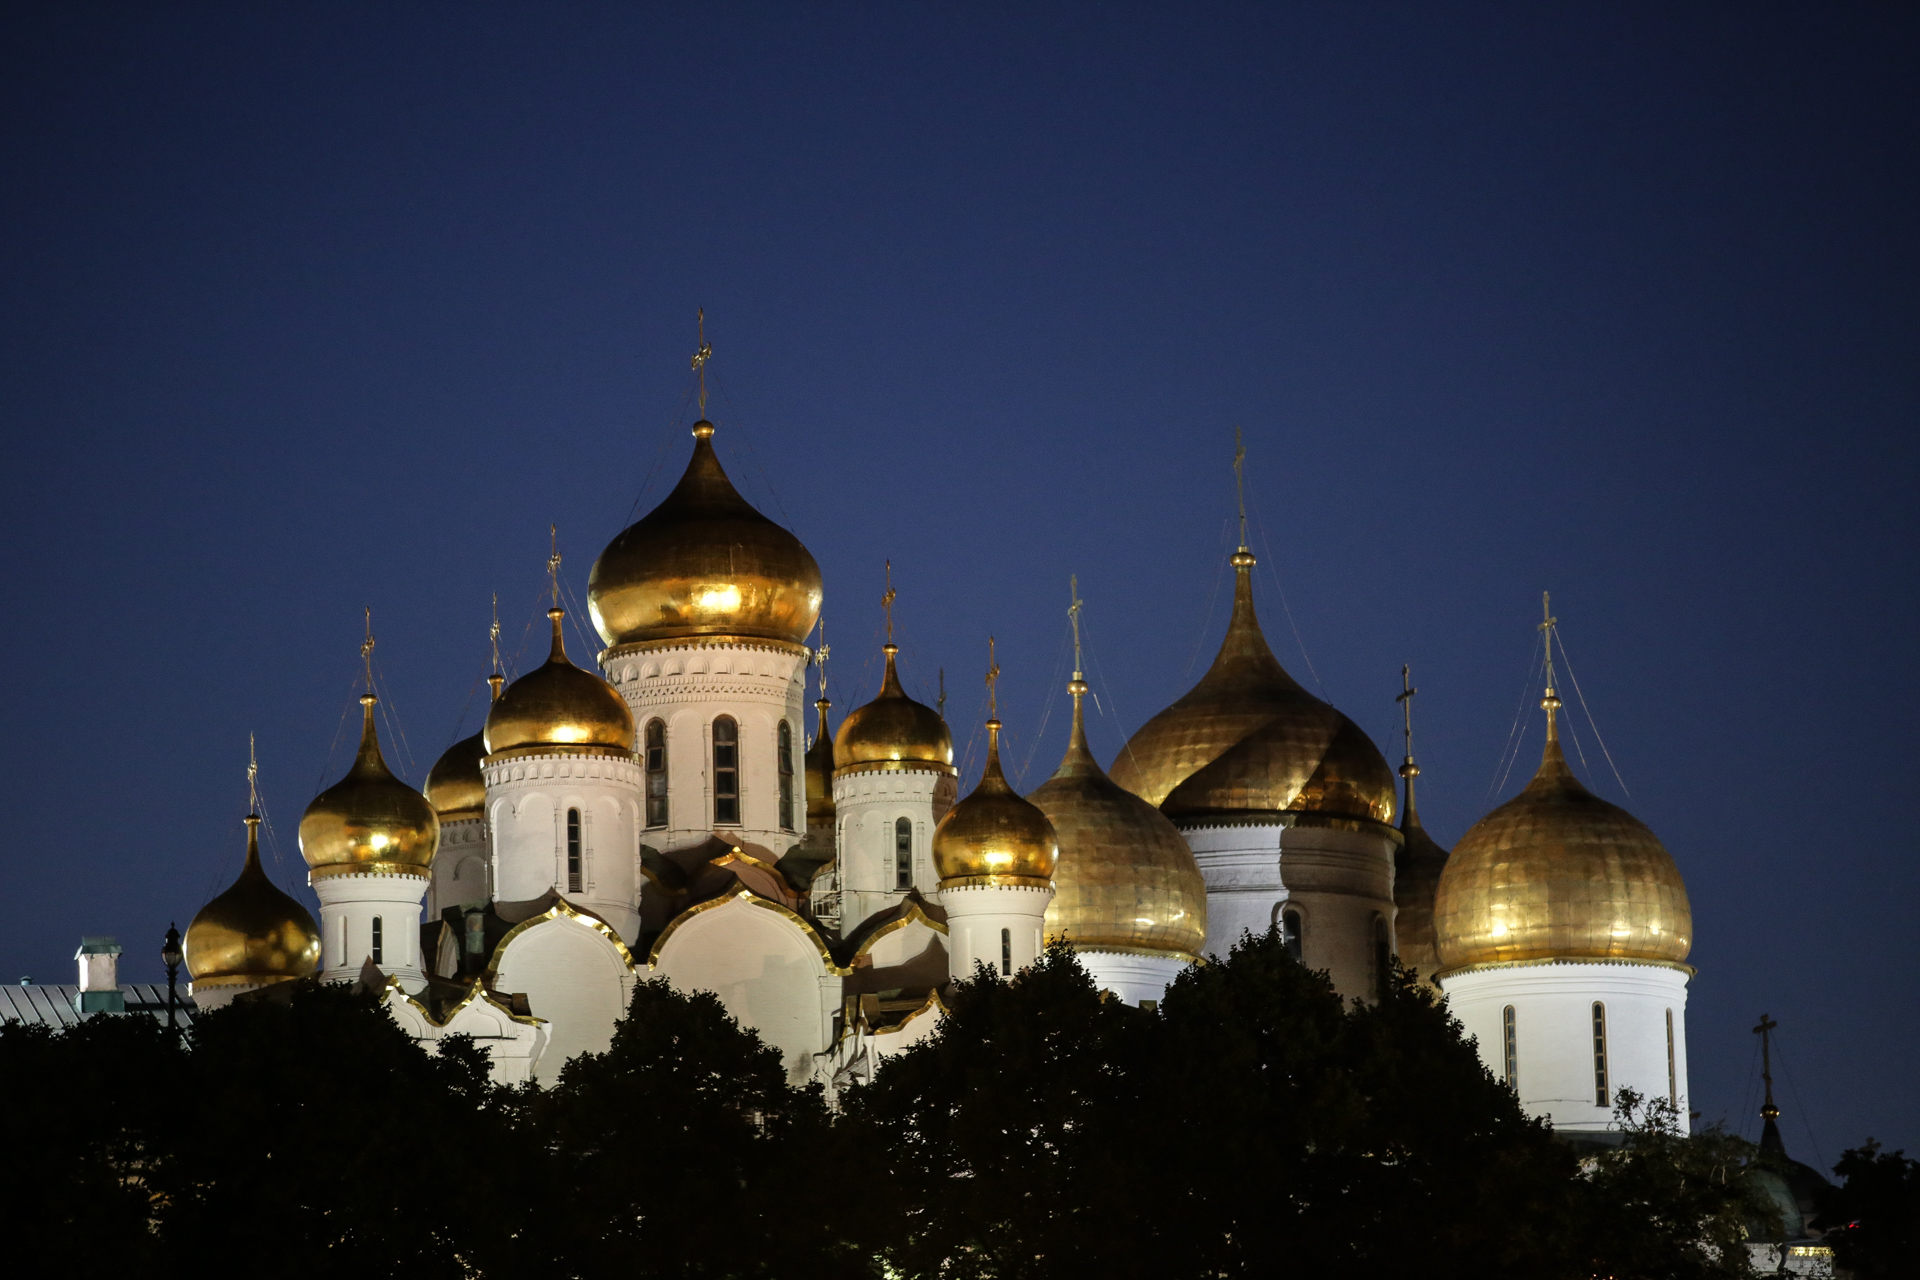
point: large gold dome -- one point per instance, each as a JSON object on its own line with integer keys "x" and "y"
{"x": 704, "y": 563}
{"x": 369, "y": 822}
{"x": 558, "y": 709}
{"x": 1248, "y": 739}
{"x": 893, "y": 732}
{"x": 1558, "y": 873}
{"x": 1125, "y": 879}
{"x": 251, "y": 934}
{"x": 993, "y": 836}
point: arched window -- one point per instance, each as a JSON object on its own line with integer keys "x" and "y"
{"x": 656, "y": 773}
{"x": 379, "y": 942}
{"x": 726, "y": 773}
{"x": 476, "y": 933}
{"x": 1382, "y": 958}
{"x": 1601, "y": 1096}
{"x": 1673, "y": 1077}
{"x": 786, "y": 776}
{"x": 573, "y": 851}
{"x": 1511, "y": 1039}
{"x": 1291, "y": 931}
{"x": 1006, "y": 953}
{"x": 903, "y": 854}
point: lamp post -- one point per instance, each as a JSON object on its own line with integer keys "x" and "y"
{"x": 170, "y": 956}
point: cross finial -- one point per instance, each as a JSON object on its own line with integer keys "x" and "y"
{"x": 1405, "y": 699}
{"x": 1073, "y": 612}
{"x": 1550, "y": 703}
{"x": 253, "y": 778}
{"x": 366, "y": 649}
{"x": 993, "y": 682}
{"x": 1240, "y": 483}
{"x": 702, "y": 354}
{"x": 1765, "y": 1031}
{"x": 940, "y": 704}
{"x": 821, "y": 654}
{"x": 493, "y": 633}
{"x": 553, "y": 562}
{"x": 886, "y": 601}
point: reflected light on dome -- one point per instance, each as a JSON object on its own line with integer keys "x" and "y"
{"x": 721, "y": 599}
{"x": 1499, "y": 929}
{"x": 380, "y": 841}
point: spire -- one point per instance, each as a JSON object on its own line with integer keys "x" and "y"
{"x": 1770, "y": 1131}
{"x": 252, "y": 865}
{"x": 1079, "y": 758}
{"x": 1410, "y": 817}
{"x": 1244, "y": 645}
{"x": 993, "y": 770}
{"x": 498, "y": 679}
{"x": 701, "y": 354}
{"x": 890, "y": 686}
{"x": 820, "y": 656}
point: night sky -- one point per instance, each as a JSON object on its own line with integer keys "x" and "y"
{"x": 309, "y": 309}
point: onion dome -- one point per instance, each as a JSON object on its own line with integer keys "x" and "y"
{"x": 993, "y": 837}
{"x": 1125, "y": 879}
{"x": 1558, "y": 873}
{"x": 819, "y": 770}
{"x": 704, "y": 563}
{"x": 369, "y": 822}
{"x": 455, "y": 786}
{"x": 1247, "y": 739}
{"x": 558, "y": 709}
{"x": 893, "y": 733}
{"x": 252, "y": 934}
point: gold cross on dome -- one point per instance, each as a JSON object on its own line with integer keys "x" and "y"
{"x": 1073, "y": 612}
{"x": 702, "y": 354}
{"x": 993, "y": 682}
{"x": 366, "y": 649}
{"x": 493, "y": 633}
{"x": 553, "y": 562}
{"x": 253, "y": 778}
{"x": 1405, "y": 699}
{"x": 886, "y": 601}
{"x": 1240, "y": 483}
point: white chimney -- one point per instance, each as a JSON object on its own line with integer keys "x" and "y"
{"x": 99, "y": 959}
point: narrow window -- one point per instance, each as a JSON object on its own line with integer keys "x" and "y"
{"x": 1601, "y": 1097}
{"x": 656, "y": 773}
{"x": 1512, "y": 1039}
{"x": 1290, "y": 932}
{"x": 573, "y": 851}
{"x": 1673, "y": 1077}
{"x": 903, "y": 854}
{"x": 1006, "y": 953}
{"x": 476, "y": 932}
{"x": 1382, "y": 959}
{"x": 379, "y": 956}
{"x": 726, "y": 773}
{"x": 786, "y": 776}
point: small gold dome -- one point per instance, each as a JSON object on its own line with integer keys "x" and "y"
{"x": 893, "y": 732}
{"x": 993, "y": 836}
{"x": 455, "y": 786}
{"x": 369, "y": 822}
{"x": 704, "y": 563}
{"x": 1558, "y": 873}
{"x": 558, "y": 709}
{"x": 1248, "y": 739}
{"x": 1125, "y": 879}
{"x": 252, "y": 934}
{"x": 819, "y": 770}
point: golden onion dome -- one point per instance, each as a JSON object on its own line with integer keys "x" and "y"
{"x": 455, "y": 786}
{"x": 819, "y": 770}
{"x": 252, "y": 934}
{"x": 1416, "y": 880}
{"x": 558, "y": 709}
{"x": 893, "y": 732}
{"x": 993, "y": 836}
{"x": 369, "y": 822}
{"x": 1125, "y": 879}
{"x": 704, "y": 563}
{"x": 1248, "y": 739}
{"x": 1558, "y": 873}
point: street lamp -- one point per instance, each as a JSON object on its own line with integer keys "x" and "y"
{"x": 171, "y": 956}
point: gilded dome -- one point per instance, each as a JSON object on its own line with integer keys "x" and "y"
{"x": 1248, "y": 739}
{"x": 1125, "y": 879}
{"x": 993, "y": 836}
{"x": 252, "y": 934}
{"x": 819, "y": 770}
{"x": 704, "y": 563}
{"x": 558, "y": 709}
{"x": 455, "y": 786}
{"x": 1558, "y": 873}
{"x": 369, "y": 822}
{"x": 893, "y": 732}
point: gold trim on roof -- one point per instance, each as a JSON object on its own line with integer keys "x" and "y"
{"x": 560, "y": 910}
{"x": 753, "y": 899}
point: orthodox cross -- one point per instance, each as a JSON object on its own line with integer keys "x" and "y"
{"x": 253, "y": 778}
{"x": 1405, "y": 699}
{"x": 1765, "y": 1031}
{"x": 366, "y": 649}
{"x": 1073, "y": 612}
{"x": 886, "y": 601}
{"x": 1546, "y": 629}
{"x": 940, "y": 704}
{"x": 553, "y": 562}
{"x": 993, "y": 681}
{"x": 702, "y": 354}
{"x": 1240, "y": 483}
{"x": 493, "y": 633}
{"x": 821, "y": 654}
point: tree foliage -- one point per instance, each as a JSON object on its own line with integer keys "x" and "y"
{"x": 1872, "y": 1219}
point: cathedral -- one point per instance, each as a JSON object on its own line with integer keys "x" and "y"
{"x": 663, "y": 812}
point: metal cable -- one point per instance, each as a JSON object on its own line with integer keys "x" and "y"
{"x": 1568, "y": 664}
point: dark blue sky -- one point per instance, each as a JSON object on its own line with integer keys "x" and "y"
{"x": 311, "y": 308}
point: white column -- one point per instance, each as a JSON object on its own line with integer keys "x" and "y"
{"x": 1000, "y": 926}
{"x": 350, "y": 906}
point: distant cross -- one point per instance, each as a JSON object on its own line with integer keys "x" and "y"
{"x": 993, "y": 683}
{"x": 1073, "y": 612}
{"x": 702, "y": 354}
{"x": 1240, "y": 483}
{"x": 553, "y": 562}
{"x": 253, "y": 778}
{"x": 886, "y": 601}
{"x": 493, "y": 633}
{"x": 940, "y": 704}
{"x": 366, "y": 649}
{"x": 1546, "y": 629}
{"x": 820, "y": 656}
{"x": 1405, "y": 699}
{"x": 1765, "y": 1031}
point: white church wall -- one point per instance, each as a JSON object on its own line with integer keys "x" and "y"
{"x": 529, "y": 798}
{"x": 462, "y": 871}
{"x": 354, "y": 909}
{"x": 867, "y": 808}
{"x": 1133, "y": 978}
{"x": 576, "y": 979}
{"x": 1000, "y": 926}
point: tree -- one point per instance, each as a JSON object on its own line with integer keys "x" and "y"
{"x": 1872, "y": 1219}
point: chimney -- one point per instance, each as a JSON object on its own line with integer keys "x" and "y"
{"x": 100, "y": 992}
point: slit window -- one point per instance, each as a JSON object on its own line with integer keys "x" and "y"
{"x": 1673, "y": 1076}
{"x": 1290, "y": 932}
{"x": 573, "y": 851}
{"x": 1006, "y": 953}
{"x": 1602, "y": 1097}
{"x": 903, "y": 854}
{"x": 786, "y": 776}
{"x": 726, "y": 773}
{"x": 656, "y": 773}
{"x": 379, "y": 942}
{"x": 1511, "y": 1040}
